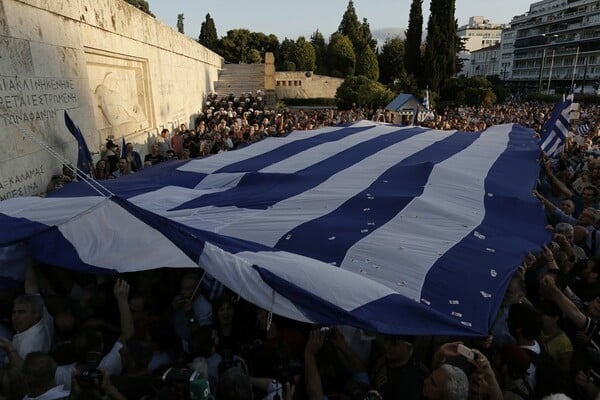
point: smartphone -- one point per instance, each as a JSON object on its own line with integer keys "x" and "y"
{"x": 466, "y": 352}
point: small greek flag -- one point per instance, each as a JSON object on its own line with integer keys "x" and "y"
{"x": 554, "y": 132}
{"x": 583, "y": 129}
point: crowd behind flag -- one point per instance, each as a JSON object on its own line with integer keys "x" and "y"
{"x": 84, "y": 157}
{"x": 555, "y": 130}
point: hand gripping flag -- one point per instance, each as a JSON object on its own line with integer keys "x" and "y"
{"x": 84, "y": 158}
{"x": 556, "y": 129}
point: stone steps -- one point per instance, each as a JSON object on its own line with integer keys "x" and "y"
{"x": 240, "y": 78}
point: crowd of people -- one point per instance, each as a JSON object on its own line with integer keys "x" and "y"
{"x": 178, "y": 334}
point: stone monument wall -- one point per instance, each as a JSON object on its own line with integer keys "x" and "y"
{"x": 117, "y": 71}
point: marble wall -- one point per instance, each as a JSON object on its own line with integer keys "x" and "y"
{"x": 117, "y": 71}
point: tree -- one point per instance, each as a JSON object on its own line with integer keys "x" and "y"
{"x": 180, "y": 23}
{"x": 285, "y": 61}
{"x": 254, "y": 57}
{"x": 367, "y": 64}
{"x": 142, "y": 5}
{"x": 341, "y": 56}
{"x": 318, "y": 42}
{"x": 367, "y": 36}
{"x": 304, "y": 55}
{"x": 234, "y": 47}
{"x": 362, "y": 91}
{"x": 351, "y": 27}
{"x": 440, "y": 60}
{"x": 391, "y": 60}
{"x": 414, "y": 34}
{"x": 208, "y": 34}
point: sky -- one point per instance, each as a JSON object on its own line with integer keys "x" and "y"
{"x": 289, "y": 19}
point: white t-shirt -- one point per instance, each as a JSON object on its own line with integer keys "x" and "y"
{"x": 36, "y": 338}
{"x": 111, "y": 362}
{"x": 55, "y": 393}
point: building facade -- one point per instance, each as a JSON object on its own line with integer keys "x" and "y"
{"x": 557, "y": 45}
{"x": 477, "y": 34}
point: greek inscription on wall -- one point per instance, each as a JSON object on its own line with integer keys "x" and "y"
{"x": 34, "y": 99}
{"x": 23, "y": 183}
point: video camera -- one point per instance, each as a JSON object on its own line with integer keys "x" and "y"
{"x": 188, "y": 383}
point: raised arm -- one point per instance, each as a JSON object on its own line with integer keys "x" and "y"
{"x": 121, "y": 292}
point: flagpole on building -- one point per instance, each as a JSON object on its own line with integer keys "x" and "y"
{"x": 574, "y": 69}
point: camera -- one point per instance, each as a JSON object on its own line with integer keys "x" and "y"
{"x": 187, "y": 384}
{"x": 90, "y": 376}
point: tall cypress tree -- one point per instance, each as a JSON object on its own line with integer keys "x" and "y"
{"x": 412, "y": 43}
{"x": 180, "y": 18}
{"x": 367, "y": 36}
{"x": 318, "y": 42}
{"x": 351, "y": 27}
{"x": 208, "y": 34}
{"x": 439, "y": 63}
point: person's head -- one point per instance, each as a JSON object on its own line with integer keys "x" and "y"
{"x": 551, "y": 313}
{"x": 524, "y": 322}
{"x": 580, "y": 234}
{"x": 87, "y": 344}
{"x": 165, "y": 131}
{"x": 566, "y": 229}
{"x": 398, "y": 349}
{"x": 129, "y": 147}
{"x": 589, "y": 194}
{"x": 234, "y": 384}
{"x": 223, "y": 308}
{"x": 446, "y": 383}
{"x": 123, "y": 164}
{"x": 189, "y": 282}
{"x": 38, "y": 370}
{"x": 588, "y": 217}
{"x": 154, "y": 149}
{"x": 12, "y": 382}
{"x": 27, "y": 311}
{"x": 515, "y": 290}
{"x": 101, "y": 165}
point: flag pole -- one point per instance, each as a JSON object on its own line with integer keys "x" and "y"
{"x": 574, "y": 69}
{"x": 78, "y": 172}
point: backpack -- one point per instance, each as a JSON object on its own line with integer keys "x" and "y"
{"x": 550, "y": 378}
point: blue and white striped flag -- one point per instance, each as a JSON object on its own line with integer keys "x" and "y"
{"x": 426, "y": 99}
{"x": 392, "y": 229}
{"x": 556, "y": 129}
{"x": 583, "y": 129}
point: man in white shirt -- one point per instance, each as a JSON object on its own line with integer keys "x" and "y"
{"x": 33, "y": 325}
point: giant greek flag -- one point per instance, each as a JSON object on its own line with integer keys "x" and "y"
{"x": 392, "y": 229}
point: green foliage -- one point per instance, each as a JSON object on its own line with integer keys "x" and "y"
{"x": 362, "y": 91}
{"x": 440, "y": 61}
{"x": 318, "y": 42}
{"x": 208, "y": 34}
{"x": 367, "y": 64}
{"x": 470, "y": 91}
{"x": 367, "y": 36}
{"x": 414, "y": 35}
{"x": 254, "y": 57}
{"x": 180, "y": 23}
{"x": 141, "y": 5}
{"x": 391, "y": 60}
{"x": 287, "y": 51}
{"x": 405, "y": 83}
{"x": 351, "y": 27}
{"x": 288, "y": 66}
{"x": 341, "y": 56}
{"x": 234, "y": 46}
{"x": 476, "y": 96}
{"x": 237, "y": 46}
{"x": 305, "y": 57}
